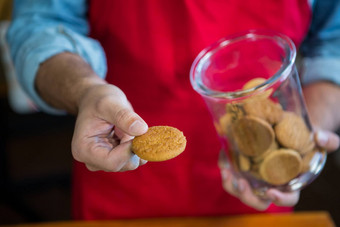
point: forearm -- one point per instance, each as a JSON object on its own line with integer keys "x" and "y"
{"x": 62, "y": 80}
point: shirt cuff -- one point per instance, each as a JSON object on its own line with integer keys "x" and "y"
{"x": 320, "y": 69}
{"x": 44, "y": 45}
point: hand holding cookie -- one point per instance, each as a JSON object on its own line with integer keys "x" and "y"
{"x": 104, "y": 128}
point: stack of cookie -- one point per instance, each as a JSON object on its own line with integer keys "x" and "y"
{"x": 266, "y": 141}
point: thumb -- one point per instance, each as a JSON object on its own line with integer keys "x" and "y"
{"x": 328, "y": 140}
{"x": 128, "y": 121}
{"x": 111, "y": 105}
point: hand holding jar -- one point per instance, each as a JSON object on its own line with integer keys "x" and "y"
{"x": 251, "y": 87}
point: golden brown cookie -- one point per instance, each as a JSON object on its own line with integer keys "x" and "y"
{"x": 218, "y": 128}
{"x": 253, "y": 83}
{"x": 281, "y": 166}
{"x": 224, "y": 123}
{"x": 259, "y": 158}
{"x": 235, "y": 110}
{"x": 159, "y": 143}
{"x": 244, "y": 163}
{"x": 265, "y": 109}
{"x": 256, "y": 82}
{"x": 252, "y": 136}
{"x": 307, "y": 147}
{"x": 292, "y": 132}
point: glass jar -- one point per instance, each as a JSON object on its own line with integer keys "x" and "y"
{"x": 251, "y": 86}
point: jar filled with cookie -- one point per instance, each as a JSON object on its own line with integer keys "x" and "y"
{"x": 251, "y": 86}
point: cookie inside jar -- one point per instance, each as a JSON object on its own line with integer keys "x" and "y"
{"x": 267, "y": 142}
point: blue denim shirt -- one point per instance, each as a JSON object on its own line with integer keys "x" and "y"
{"x": 55, "y": 26}
{"x": 41, "y": 29}
{"x": 321, "y": 48}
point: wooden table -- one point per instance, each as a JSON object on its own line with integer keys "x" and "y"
{"x": 303, "y": 219}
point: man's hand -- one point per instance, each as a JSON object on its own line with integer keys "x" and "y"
{"x": 105, "y": 122}
{"x": 242, "y": 190}
{"x": 322, "y": 100}
{"x": 104, "y": 129}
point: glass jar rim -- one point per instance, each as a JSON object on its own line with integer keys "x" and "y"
{"x": 206, "y": 53}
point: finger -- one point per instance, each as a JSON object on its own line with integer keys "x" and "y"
{"x": 125, "y": 138}
{"x": 242, "y": 190}
{"x": 121, "y": 135}
{"x": 283, "y": 199}
{"x": 227, "y": 182}
{"x": 118, "y": 111}
{"x": 328, "y": 140}
{"x": 248, "y": 197}
{"x": 122, "y": 159}
{"x": 128, "y": 121}
{"x": 91, "y": 168}
{"x": 142, "y": 162}
{"x": 132, "y": 164}
{"x": 119, "y": 158}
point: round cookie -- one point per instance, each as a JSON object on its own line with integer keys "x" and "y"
{"x": 253, "y": 83}
{"x": 292, "y": 132}
{"x": 256, "y": 82}
{"x": 159, "y": 143}
{"x": 225, "y": 122}
{"x": 252, "y": 136}
{"x": 307, "y": 147}
{"x": 243, "y": 163}
{"x": 265, "y": 109}
{"x": 281, "y": 166}
{"x": 235, "y": 110}
{"x": 259, "y": 158}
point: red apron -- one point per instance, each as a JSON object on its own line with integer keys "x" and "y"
{"x": 150, "y": 46}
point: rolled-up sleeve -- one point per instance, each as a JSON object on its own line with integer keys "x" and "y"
{"x": 41, "y": 29}
{"x": 321, "y": 48}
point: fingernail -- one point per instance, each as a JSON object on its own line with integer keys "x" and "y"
{"x": 322, "y": 138}
{"x": 138, "y": 127}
